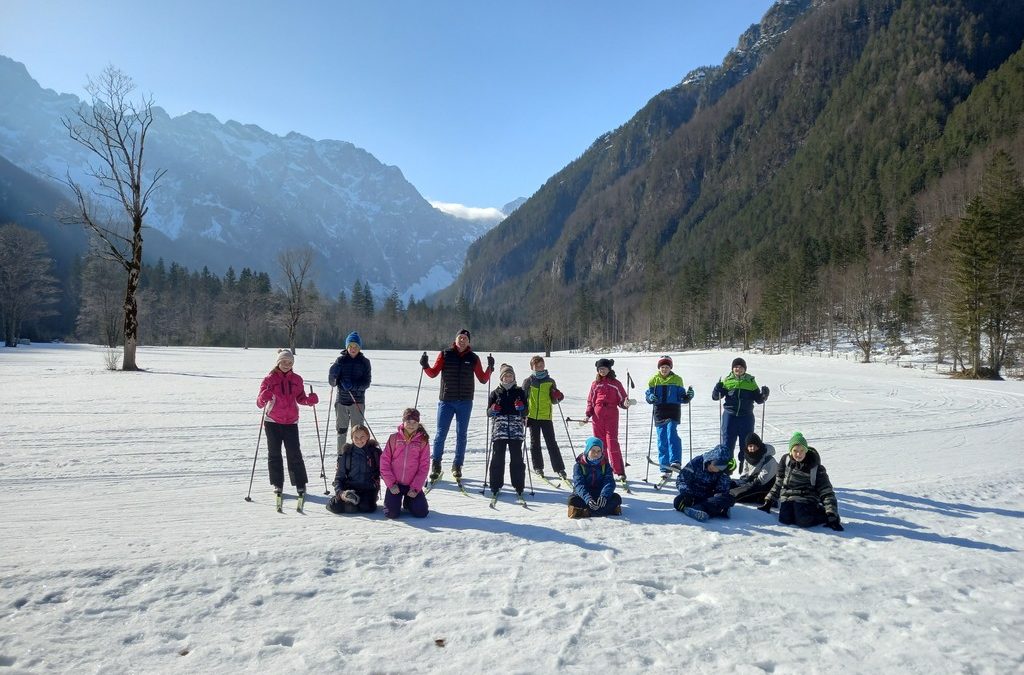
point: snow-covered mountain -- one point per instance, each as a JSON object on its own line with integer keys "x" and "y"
{"x": 235, "y": 194}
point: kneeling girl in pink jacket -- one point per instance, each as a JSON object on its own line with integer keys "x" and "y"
{"x": 404, "y": 467}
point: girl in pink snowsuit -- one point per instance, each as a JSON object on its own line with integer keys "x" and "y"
{"x": 607, "y": 395}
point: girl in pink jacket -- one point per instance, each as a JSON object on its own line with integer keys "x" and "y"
{"x": 281, "y": 392}
{"x": 606, "y": 396}
{"x": 404, "y": 466}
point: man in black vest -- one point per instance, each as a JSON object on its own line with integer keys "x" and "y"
{"x": 457, "y": 366}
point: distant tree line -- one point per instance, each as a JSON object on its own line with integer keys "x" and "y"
{"x": 955, "y": 277}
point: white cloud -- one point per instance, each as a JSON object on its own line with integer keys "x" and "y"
{"x": 488, "y": 214}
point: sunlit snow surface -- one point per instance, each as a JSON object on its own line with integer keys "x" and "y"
{"x": 127, "y": 545}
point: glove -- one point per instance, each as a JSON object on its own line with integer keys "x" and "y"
{"x": 490, "y": 362}
{"x": 592, "y": 504}
{"x": 589, "y": 413}
{"x": 651, "y": 397}
{"x": 424, "y": 363}
{"x": 350, "y": 496}
{"x": 764, "y": 392}
{"x": 720, "y": 389}
{"x": 689, "y": 394}
{"x": 766, "y": 507}
{"x": 494, "y": 410}
{"x": 346, "y": 384}
{"x": 601, "y": 501}
{"x": 394, "y": 490}
{"x": 832, "y": 521}
{"x": 412, "y": 494}
{"x": 312, "y": 399}
{"x": 556, "y": 395}
{"x": 520, "y": 406}
{"x": 629, "y": 402}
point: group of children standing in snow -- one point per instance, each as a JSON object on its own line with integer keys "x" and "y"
{"x": 798, "y": 484}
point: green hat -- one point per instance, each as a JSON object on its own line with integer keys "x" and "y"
{"x": 797, "y": 439}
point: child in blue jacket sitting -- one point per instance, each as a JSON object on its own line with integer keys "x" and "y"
{"x": 704, "y": 484}
{"x": 593, "y": 484}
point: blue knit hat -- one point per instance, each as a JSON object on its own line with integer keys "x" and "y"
{"x": 353, "y": 337}
{"x": 591, "y": 442}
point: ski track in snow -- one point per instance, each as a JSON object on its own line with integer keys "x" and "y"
{"x": 128, "y": 546}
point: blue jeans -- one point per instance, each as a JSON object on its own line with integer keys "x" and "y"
{"x": 736, "y": 427}
{"x": 460, "y": 410}
{"x": 670, "y": 448}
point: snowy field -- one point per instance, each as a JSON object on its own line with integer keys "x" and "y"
{"x": 128, "y": 547}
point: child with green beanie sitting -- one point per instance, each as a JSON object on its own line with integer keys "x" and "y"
{"x": 802, "y": 487}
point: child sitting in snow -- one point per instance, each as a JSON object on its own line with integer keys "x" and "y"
{"x": 404, "y": 466}
{"x": 357, "y": 477}
{"x": 803, "y": 488}
{"x": 757, "y": 478}
{"x": 703, "y": 485}
{"x": 593, "y": 484}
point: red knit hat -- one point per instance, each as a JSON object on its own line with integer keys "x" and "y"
{"x": 665, "y": 361}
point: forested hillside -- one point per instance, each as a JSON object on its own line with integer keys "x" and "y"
{"x": 845, "y": 156}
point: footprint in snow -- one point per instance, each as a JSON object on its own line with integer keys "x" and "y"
{"x": 280, "y": 640}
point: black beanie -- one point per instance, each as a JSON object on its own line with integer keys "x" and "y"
{"x": 604, "y": 363}
{"x": 739, "y": 362}
{"x": 753, "y": 439}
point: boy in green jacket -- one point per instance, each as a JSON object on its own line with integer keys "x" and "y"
{"x": 541, "y": 396}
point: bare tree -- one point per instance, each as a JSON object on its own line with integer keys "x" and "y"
{"x": 865, "y": 288}
{"x": 296, "y": 265}
{"x": 114, "y": 128}
{"x": 27, "y": 289}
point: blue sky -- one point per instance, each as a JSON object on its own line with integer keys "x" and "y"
{"x": 477, "y": 102}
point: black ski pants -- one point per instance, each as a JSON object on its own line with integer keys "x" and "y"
{"x": 536, "y": 427}
{"x": 801, "y": 514}
{"x": 367, "y": 503}
{"x": 753, "y": 493}
{"x": 287, "y": 434}
{"x": 516, "y": 469}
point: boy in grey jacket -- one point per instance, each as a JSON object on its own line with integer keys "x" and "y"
{"x": 758, "y": 475}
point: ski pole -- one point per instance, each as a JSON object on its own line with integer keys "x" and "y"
{"x": 263, "y": 417}
{"x": 327, "y": 425}
{"x": 650, "y": 442}
{"x": 362, "y": 414}
{"x": 764, "y": 407}
{"x": 487, "y": 448}
{"x": 528, "y": 462}
{"x": 565, "y": 422}
{"x": 323, "y": 471}
{"x": 629, "y": 382}
{"x": 689, "y": 427}
{"x": 420, "y": 384}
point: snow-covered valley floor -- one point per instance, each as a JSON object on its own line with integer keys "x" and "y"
{"x": 127, "y": 545}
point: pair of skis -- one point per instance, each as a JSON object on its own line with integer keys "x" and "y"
{"x": 458, "y": 483}
{"x": 279, "y": 502}
{"x": 666, "y": 476}
{"x": 520, "y": 500}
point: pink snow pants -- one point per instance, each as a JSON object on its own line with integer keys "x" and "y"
{"x": 606, "y": 427}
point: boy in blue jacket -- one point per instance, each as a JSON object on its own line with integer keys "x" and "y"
{"x": 593, "y": 484}
{"x": 704, "y": 484}
{"x": 666, "y": 392}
